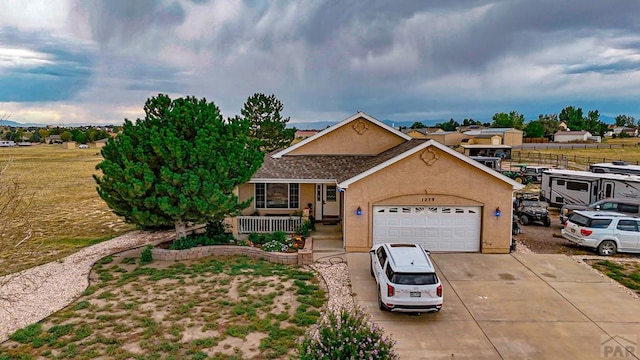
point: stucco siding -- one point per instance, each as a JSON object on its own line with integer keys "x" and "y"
{"x": 360, "y": 137}
{"x": 447, "y": 181}
{"x": 448, "y": 139}
{"x": 512, "y": 138}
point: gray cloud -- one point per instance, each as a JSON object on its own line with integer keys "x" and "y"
{"x": 65, "y": 70}
{"x": 403, "y": 59}
{"x": 116, "y": 22}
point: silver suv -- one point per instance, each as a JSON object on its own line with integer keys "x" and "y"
{"x": 406, "y": 278}
{"x": 608, "y": 232}
{"x": 629, "y": 206}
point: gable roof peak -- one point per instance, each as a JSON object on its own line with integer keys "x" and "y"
{"x": 359, "y": 114}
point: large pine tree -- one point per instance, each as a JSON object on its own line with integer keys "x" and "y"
{"x": 180, "y": 164}
{"x": 267, "y": 123}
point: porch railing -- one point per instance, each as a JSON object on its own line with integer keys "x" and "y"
{"x": 268, "y": 224}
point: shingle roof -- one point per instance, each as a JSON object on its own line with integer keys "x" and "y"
{"x": 324, "y": 167}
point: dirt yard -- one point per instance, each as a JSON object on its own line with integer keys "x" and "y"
{"x": 548, "y": 240}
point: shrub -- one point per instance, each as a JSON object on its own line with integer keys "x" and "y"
{"x": 146, "y": 256}
{"x": 243, "y": 242}
{"x": 255, "y": 238}
{"x": 279, "y": 236}
{"x": 348, "y": 335}
{"x": 260, "y": 238}
{"x": 186, "y": 242}
{"x": 304, "y": 229}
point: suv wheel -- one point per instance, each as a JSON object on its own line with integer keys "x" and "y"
{"x": 607, "y": 248}
{"x": 380, "y": 303}
{"x": 524, "y": 220}
{"x": 546, "y": 221}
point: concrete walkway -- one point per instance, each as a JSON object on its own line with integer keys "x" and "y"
{"x": 520, "y": 306}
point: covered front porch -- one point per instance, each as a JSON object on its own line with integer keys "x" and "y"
{"x": 281, "y": 206}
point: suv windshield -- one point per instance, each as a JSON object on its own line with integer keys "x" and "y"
{"x": 589, "y": 222}
{"x": 414, "y": 278}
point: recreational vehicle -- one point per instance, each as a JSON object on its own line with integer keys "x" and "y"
{"x": 615, "y": 167}
{"x": 584, "y": 187}
{"x": 7, "y": 143}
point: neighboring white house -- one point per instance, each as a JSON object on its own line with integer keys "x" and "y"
{"x": 632, "y": 132}
{"x": 568, "y": 136}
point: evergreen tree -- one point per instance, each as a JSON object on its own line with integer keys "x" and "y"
{"x": 180, "y": 164}
{"x": 267, "y": 124}
{"x": 450, "y": 125}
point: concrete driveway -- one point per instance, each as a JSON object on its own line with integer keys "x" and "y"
{"x": 516, "y": 306}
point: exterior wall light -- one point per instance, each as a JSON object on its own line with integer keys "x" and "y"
{"x": 359, "y": 211}
{"x": 498, "y": 212}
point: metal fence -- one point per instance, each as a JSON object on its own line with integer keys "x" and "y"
{"x": 557, "y": 160}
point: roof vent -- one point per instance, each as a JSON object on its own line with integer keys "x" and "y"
{"x": 619, "y": 162}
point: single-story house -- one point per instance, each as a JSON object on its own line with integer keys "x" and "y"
{"x": 448, "y": 138}
{"x": 421, "y": 133}
{"x": 303, "y": 134}
{"x": 381, "y": 185}
{"x": 53, "y": 139}
{"x": 508, "y": 136}
{"x": 485, "y": 140}
{"x": 631, "y": 132}
{"x": 569, "y": 136}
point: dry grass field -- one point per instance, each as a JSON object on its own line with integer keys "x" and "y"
{"x": 621, "y": 149}
{"x": 65, "y": 211}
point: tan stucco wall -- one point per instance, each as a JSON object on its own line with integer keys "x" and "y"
{"x": 346, "y": 140}
{"x": 416, "y": 134}
{"x": 448, "y": 181}
{"x": 448, "y": 139}
{"x": 512, "y": 138}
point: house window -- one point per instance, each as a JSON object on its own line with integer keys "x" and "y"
{"x": 331, "y": 193}
{"x": 277, "y": 196}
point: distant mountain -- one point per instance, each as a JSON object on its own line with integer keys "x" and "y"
{"x": 17, "y": 124}
{"x": 321, "y": 125}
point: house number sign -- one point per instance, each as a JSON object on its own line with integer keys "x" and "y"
{"x": 428, "y": 199}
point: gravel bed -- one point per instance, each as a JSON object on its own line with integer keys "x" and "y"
{"x": 31, "y": 295}
{"x": 336, "y": 278}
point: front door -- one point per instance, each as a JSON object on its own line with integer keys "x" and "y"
{"x": 327, "y": 201}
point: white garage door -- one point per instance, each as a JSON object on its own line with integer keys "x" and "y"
{"x": 443, "y": 228}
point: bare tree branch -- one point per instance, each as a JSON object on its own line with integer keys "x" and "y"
{"x": 15, "y": 208}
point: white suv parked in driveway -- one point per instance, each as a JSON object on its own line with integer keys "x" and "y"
{"x": 608, "y": 232}
{"x": 406, "y": 278}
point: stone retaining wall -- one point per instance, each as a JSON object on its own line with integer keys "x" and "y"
{"x": 302, "y": 257}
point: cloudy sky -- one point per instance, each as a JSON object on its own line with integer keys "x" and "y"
{"x": 90, "y": 61}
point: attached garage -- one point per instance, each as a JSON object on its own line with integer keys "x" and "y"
{"x": 436, "y": 228}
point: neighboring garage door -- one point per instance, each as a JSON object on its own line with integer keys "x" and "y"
{"x": 442, "y": 228}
